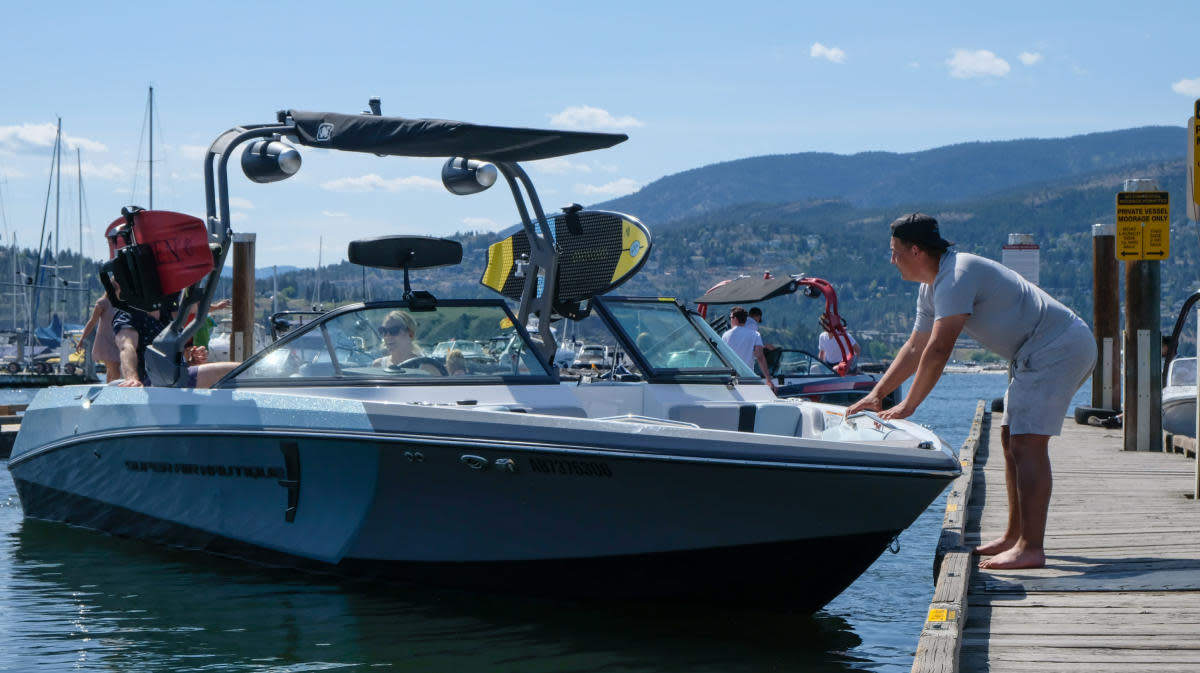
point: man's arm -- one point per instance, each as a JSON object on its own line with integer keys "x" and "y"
{"x": 762, "y": 365}
{"x": 933, "y": 360}
{"x": 901, "y": 368}
{"x": 127, "y": 343}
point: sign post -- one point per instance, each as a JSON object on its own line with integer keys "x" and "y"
{"x": 1143, "y": 238}
{"x": 1193, "y": 176}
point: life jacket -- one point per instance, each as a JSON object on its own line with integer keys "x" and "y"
{"x": 154, "y": 254}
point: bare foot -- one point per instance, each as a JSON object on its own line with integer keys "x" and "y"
{"x": 994, "y": 547}
{"x": 1014, "y": 559}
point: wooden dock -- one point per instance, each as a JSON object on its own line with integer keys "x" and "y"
{"x": 10, "y": 424}
{"x": 1121, "y": 588}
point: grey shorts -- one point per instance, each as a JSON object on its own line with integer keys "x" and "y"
{"x": 1044, "y": 381}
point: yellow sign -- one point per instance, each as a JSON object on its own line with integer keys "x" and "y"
{"x": 1143, "y": 225}
{"x": 1193, "y": 181}
{"x": 941, "y": 615}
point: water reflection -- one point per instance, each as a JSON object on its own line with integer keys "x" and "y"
{"x": 93, "y": 602}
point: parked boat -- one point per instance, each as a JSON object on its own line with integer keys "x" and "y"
{"x": 797, "y": 372}
{"x": 1179, "y": 379}
{"x": 680, "y": 476}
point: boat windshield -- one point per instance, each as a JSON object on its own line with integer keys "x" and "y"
{"x": 673, "y": 342}
{"x": 387, "y": 342}
{"x": 1182, "y": 372}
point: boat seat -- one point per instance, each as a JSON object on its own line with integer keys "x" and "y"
{"x": 715, "y": 415}
{"x": 777, "y": 419}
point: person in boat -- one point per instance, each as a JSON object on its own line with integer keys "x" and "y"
{"x": 134, "y": 330}
{"x": 1051, "y": 350}
{"x": 456, "y": 363}
{"x": 753, "y": 320}
{"x": 827, "y": 347}
{"x": 747, "y": 343}
{"x": 399, "y": 332}
{"x": 104, "y": 347}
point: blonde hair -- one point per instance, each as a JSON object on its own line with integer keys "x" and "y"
{"x": 410, "y": 324}
{"x": 455, "y": 361}
{"x": 400, "y": 316}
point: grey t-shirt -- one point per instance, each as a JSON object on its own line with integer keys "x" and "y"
{"x": 1007, "y": 312}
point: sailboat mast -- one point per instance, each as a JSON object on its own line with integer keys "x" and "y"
{"x": 151, "y": 104}
{"x": 37, "y": 269}
{"x": 83, "y": 296}
{"x": 57, "y": 203}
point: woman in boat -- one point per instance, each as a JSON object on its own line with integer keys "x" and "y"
{"x": 399, "y": 332}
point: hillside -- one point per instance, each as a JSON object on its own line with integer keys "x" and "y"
{"x": 876, "y": 179}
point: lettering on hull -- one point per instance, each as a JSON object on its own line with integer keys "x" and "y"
{"x": 246, "y": 471}
{"x": 576, "y": 468}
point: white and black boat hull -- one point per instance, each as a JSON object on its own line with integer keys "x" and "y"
{"x": 440, "y": 497}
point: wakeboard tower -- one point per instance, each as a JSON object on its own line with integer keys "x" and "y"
{"x": 552, "y": 266}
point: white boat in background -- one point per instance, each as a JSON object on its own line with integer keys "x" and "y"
{"x": 218, "y": 343}
{"x": 1179, "y": 379}
{"x": 1179, "y": 398}
{"x": 676, "y": 474}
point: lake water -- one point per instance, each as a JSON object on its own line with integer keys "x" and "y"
{"x": 78, "y": 600}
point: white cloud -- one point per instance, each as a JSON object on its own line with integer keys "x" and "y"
{"x": 239, "y": 218}
{"x": 479, "y": 223}
{"x": 559, "y": 166}
{"x": 591, "y": 118}
{"x": 374, "y": 183}
{"x": 966, "y": 64}
{"x": 334, "y": 213}
{"x": 108, "y": 171}
{"x": 195, "y": 152}
{"x": 239, "y": 202}
{"x": 1187, "y": 87}
{"x": 831, "y": 54}
{"x": 614, "y": 188}
{"x": 1029, "y": 57}
{"x": 31, "y": 137}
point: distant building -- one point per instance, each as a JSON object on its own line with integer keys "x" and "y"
{"x": 1023, "y": 256}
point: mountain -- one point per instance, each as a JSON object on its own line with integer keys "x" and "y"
{"x": 874, "y": 179}
{"x": 264, "y": 272}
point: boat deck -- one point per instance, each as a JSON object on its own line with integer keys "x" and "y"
{"x": 1121, "y": 589}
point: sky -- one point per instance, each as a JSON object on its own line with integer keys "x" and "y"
{"x": 691, "y": 84}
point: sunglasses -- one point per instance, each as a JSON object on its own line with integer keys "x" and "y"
{"x": 392, "y": 331}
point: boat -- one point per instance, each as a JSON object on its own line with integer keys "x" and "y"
{"x": 1179, "y": 379}
{"x": 1179, "y": 398}
{"x": 799, "y": 373}
{"x": 674, "y": 476}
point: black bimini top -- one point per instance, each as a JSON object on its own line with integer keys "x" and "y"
{"x": 398, "y": 136}
{"x": 749, "y": 290}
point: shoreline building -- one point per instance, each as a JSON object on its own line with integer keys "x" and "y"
{"x": 1022, "y": 255}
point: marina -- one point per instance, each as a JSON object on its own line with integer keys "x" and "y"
{"x": 1122, "y": 581}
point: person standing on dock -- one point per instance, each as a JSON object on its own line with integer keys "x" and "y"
{"x": 1051, "y": 350}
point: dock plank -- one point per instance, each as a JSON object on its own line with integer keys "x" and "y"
{"x": 1121, "y": 588}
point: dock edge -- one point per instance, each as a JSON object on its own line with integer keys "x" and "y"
{"x": 941, "y": 637}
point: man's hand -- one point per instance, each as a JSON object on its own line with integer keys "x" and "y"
{"x": 897, "y": 412}
{"x": 868, "y": 403}
{"x": 130, "y": 383}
